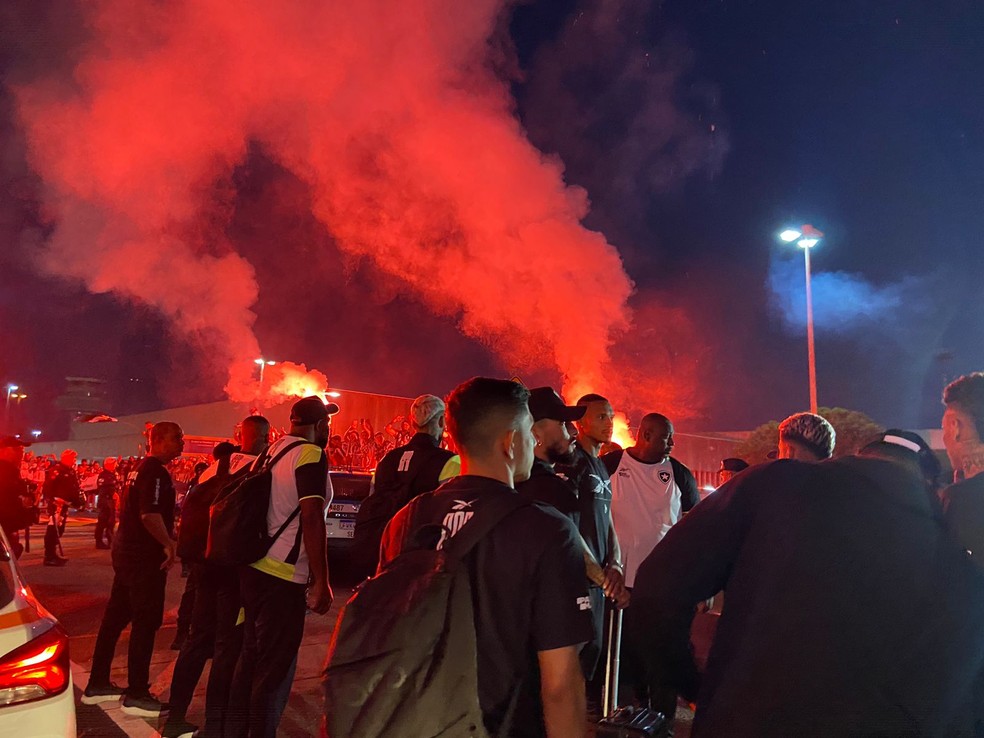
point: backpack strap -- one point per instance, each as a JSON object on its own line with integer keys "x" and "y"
{"x": 280, "y": 454}
{"x": 493, "y": 512}
{"x": 297, "y": 510}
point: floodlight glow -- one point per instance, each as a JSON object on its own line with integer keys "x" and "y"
{"x": 333, "y": 394}
{"x": 790, "y": 234}
{"x": 258, "y": 361}
{"x": 807, "y": 243}
{"x": 12, "y": 388}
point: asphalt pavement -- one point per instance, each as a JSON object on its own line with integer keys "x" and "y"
{"x": 76, "y": 594}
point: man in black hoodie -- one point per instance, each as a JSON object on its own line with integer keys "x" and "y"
{"x": 849, "y": 610}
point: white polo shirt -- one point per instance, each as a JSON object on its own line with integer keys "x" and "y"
{"x": 646, "y": 502}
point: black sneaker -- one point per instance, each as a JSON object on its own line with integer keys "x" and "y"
{"x": 179, "y": 729}
{"x": 97, "y": 693}
{"x": 142, "y": 705}
{"x": 56, "y": 561}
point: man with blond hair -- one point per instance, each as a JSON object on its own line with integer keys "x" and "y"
{"x": 806, "y": 437}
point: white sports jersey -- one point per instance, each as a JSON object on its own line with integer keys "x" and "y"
{"x": 646, "y": 502}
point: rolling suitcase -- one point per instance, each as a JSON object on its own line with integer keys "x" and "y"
{"x": 625, "y": 722}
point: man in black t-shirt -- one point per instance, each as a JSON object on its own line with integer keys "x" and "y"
{"x": 143, "y": 551}
{"x": 527, "y": 575}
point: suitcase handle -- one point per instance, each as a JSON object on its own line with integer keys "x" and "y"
{"x": 610, "y": 695}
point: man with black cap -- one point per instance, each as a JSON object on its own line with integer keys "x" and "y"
{"x": 554, "y": 435}
{"x": 16, "y": 501}
{"x": 729, "y": 468}
{"x": 402, "y": 474}
{"x": 273, "y": 588}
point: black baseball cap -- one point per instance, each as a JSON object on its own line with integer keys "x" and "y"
{"x": 733, "y": 464}
{"x": 546, "y": 403}
{"x": 11, "y": 441}
{"x": 311, "y": 410}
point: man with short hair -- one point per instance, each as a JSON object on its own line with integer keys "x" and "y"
{"x": 963, "y": 501}
{"x": 273, "y": 588}
{"x": 590, "y": 479}
{"x": 213, "y": 630}
{"x": 402, "y": 474}
{"x": 527, "y": 574}
{"x": 806, "y": 437}
{"x": 143, "y": 551}
{"x": 963, "y": 437}
{"x": 107, "y": 487}
{"x": 651, "y": 491}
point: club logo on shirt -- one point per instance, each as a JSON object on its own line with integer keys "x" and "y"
{"x": 664, "y": 477}
{"x": 584, "y": 603}
{"x": 623, "y": 473}
{"x": 460, "y": 514}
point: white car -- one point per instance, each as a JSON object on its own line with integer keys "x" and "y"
{"x": 36, "y": 695}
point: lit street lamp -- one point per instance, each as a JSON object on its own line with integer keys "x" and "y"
{"x": 806, "y": 237}
{"x": 11, "y": 389}
{"x": 36, "y": 434}
{"x": 263, "y": 364}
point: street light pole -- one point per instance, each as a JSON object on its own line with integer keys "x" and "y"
{"x": 263, "y": 364}
{"x": 806, "y": 237}
{"x": 11, "y": 388}
{"x": 811, "y": 348}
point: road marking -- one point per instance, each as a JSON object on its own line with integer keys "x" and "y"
{"x": 132, "y": 726}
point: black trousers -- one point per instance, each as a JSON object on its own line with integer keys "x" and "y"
{"x": 51, "y": 539}
{"x": 213, "y": 632}
{"x": 137, "y": 598}
{"x": 105, "y": 525}
{"x": 273, "y": 631}
{"x": 187, "y": 605}
{"x": 228, "y": 647}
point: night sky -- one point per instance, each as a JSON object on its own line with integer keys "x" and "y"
{"x": 698, "y": 129}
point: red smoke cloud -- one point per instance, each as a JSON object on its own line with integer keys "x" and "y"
{"x": 392, "y": 115}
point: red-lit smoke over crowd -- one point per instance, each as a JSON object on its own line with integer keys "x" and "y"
{"x": 393, "y": 115}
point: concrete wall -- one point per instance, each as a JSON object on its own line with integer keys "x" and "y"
{"x": 214, "y": 421}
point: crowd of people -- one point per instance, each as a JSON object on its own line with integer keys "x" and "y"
{"x": 852, "y": 590}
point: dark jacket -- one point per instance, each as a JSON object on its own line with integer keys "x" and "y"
{"x": 13, "y": 490}
{"x": 849, "y": 612}
{"x": 411, "y": 470}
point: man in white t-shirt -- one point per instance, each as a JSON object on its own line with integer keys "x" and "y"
{"x": 273, "y": 588}
{"x": 650, "y": 491}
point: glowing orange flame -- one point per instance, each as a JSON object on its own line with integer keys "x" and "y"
{"x": 621, "y": 434}
{"x": 282, "y": 381}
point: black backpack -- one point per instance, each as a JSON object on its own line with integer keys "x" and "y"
{"x": 237, "y": 524}
{"x": 193, "y": 532}
{"x": 403, "y": 652}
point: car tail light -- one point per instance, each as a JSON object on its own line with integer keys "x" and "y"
{"x": 38, "y": 669}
